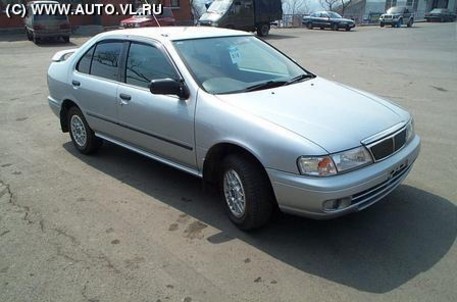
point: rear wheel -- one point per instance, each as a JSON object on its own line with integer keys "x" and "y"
{"x": 263, "y": 30}
{"x": 410, "y": 23}
{"x": 247, "y": 192}
{"x": 81, "y": 134}
{"x": 35, "y": 39}
{"x": 29, "y": 36}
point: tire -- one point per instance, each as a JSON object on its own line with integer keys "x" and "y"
{"x": 309, "y": 25}
{"x": 347, "y": 28}
{"x": 334, "y": 26}
{"x": 381, "y": 24}
{"x": 66, "y": 39}
{"x": 35, "y": 39}
{"x": 399, "y": 23}
{"x": 82, "y": 136}
{"x": 263, "y": 30}
{"x": 410, "y": 23}
{"x": 322, "y": 27}
{"x": 29, "y": 36}
{"x": 246, "y": 191}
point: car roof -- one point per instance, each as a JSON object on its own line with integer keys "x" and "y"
{"x": 173, "y": 33}
{"x": 42, "y": 2}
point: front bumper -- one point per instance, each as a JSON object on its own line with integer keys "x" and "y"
{"x": 389, "y": 20}
{"x": 304, "y": 195}
{"x": 344, "y": 25}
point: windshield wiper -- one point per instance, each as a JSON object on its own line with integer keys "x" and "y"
{"x": 299, "y": 78}
{"x": 265, "y": 85}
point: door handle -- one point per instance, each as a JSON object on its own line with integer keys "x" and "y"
{"x": 125, "y": 97}
{"x": 76, "y": 83}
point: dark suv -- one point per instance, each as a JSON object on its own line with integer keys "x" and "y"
{"x": 396, "y": 16}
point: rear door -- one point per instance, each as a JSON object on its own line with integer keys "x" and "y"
{"x": 159, "y": 124}
{"x": 95, "y": 82}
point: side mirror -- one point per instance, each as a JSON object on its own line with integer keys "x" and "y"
{"x": 169, "y": 86}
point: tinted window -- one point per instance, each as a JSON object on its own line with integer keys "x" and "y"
{"x": 105, "y": 61}
{"x": 146, "y": 63}
{"x": 84, "y": 62}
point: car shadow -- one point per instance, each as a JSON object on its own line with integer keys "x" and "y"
{"x": 376, "y": 250}
{"x": 277, "y": 36}
{"x": 54, "y": 43}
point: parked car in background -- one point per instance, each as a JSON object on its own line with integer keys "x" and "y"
{"x": 140, "y": 19}
{"x": 40, "y": 27}
{"x": 226, "y": 106}
{"x": 327, "y": 19}
{"x": 396, "y": 16}
{"x": 440, "y": 15}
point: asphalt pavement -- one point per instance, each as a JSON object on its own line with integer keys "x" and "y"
{"x": 120, "y": 227}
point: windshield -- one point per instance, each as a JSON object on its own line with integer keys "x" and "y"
{"x": 219, "y": 6}
{"x": 334, "y": 15}
{"x": 395, "y": 10}
{"x": 237, "y": 64}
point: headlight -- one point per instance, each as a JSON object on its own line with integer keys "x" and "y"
{"x": 409, "y": 130}
{"x": 334, "y": 163}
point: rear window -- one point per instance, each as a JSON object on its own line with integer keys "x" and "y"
{"x": 105, "y": 61}
{"x": 50, "y": 17}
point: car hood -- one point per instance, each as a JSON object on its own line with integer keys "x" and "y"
{"x": 331, "y": 115}
{"x": 133, "y": 20}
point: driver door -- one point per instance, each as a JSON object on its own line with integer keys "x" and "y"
{"x": 159, "y": 124}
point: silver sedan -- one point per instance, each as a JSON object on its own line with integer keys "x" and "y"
{"x": 229, "y": 108}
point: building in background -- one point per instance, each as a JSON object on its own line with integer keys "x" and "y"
{"x": 368, "y": 11}
{"x": 181, "y": 11}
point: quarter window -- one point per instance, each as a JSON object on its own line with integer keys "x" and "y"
{"x": 105, "y": 62}
{"x": 146, "y": 63}
{"x": 84, "y": 62}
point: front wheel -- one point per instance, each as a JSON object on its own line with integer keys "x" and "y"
{"x": 81, "y": 134}
{"x": 247, "y": 192}
{"x": 410, "y": 23}
{"x": 381, "y": 24}
{"x": 309, "y": 25}
{"x": 263, "y": 30}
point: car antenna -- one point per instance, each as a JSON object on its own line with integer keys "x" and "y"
{"x": 154, "y": 15}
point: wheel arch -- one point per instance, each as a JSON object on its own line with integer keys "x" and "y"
{"x": 65, "y": 107}
{"x": 216, "y": 155}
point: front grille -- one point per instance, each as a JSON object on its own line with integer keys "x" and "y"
{"x": 388, "y": 146}
{"x": 372, "y": 195}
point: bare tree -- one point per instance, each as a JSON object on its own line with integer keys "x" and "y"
{"x": 329, "y": 4}
{"x": 296, "y": 6}
{"x": 344, "y": 4}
